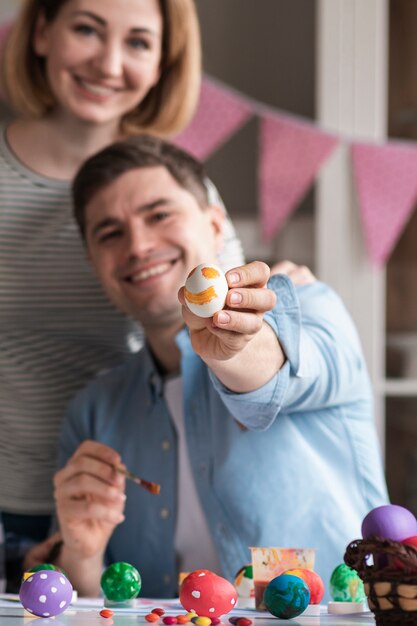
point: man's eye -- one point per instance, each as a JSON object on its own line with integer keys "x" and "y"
{"x": 111, "y": 234}
{"x": 160, "y": 216}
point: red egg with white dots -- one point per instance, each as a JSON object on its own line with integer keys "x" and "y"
{"x": 207, "y": 594}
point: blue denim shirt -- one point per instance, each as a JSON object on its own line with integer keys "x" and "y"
{"x": 294, "y": 463}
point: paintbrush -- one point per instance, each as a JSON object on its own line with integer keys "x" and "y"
{"x": 153, "y": 488}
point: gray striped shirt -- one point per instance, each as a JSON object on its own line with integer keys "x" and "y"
{"x": 57, "y": 329}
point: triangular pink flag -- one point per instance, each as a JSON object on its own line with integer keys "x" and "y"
{"x": 291, "y": 153}
{"x": 386, "y": 182}
{"x": 219, "y": 115}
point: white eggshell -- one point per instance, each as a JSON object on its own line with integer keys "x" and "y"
{"x": 205, "y": 290}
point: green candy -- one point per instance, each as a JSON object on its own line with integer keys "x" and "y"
{"x": 121, "y": 582}
{"x": 345, "y": 585}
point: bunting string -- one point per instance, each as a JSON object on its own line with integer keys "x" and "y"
{"x": 292, "y": 151}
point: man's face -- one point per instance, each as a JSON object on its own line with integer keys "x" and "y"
{"x": 144, "y": 234}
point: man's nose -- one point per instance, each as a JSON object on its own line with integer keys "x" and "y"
{"x": 140, "y": 241}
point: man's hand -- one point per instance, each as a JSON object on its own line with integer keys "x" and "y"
{"x": 90, "y": 499}
{"x": 299, "y": 274}
{"x": 40, "y": 552}
{"x": 228, "y": 332}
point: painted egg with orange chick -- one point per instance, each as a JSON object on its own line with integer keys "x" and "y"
{"x": 205, "y": 290}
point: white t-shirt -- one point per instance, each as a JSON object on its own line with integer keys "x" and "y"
{"x": 193, "y": 542}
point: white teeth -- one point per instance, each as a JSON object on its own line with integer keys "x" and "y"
{"x": 152, "y": 271}
{"x": 97, "y": 90}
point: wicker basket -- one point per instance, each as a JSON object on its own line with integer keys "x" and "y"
{"x": 390, "y": 582}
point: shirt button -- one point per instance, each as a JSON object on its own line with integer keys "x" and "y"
{"x": 165, "y": 445}
{"x": 164, "y": 513}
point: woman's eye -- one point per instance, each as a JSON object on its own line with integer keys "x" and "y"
{"x": 84, "y": 29}
{"x": 138, "y": 43}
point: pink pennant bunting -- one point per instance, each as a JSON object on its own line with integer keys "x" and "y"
{"x": 386, "y": 182}
{"x": 291, "y": 153}
{"x": 220, "y": 114}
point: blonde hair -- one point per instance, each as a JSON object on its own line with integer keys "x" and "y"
{"x": 165, "y": 110}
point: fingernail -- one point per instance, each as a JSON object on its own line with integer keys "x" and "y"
{"x": 223, "y": 318}
{"x": 233, "y": 277}
{"x": 235, "y": 297}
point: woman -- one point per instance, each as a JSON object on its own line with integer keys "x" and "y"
{"x": 82, "y": 73}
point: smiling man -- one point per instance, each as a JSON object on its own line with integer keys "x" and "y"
{"x": 257, "y": 422}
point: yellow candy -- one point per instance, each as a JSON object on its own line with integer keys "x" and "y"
{"x": 202, "y": 621}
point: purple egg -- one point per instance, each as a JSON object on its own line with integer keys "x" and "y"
{"x": 389, "y": 521}
{"x": 46, "y": 593}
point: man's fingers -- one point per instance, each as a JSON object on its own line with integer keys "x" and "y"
{"x": 255, "y": 274}
{"x": 260, "y": 300}
{"x": 92, "y": 510}
{"x": 82, "y": 485}
{"x": 237, "y": 322}
{"x": 91, "y": 466}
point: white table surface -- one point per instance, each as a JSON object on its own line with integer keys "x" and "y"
{"x": 80, "y": 614}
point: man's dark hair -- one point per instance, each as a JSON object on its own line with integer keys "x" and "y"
{"x": 136, "y": 152}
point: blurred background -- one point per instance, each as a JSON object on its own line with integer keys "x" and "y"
{"x": 350, "y": 66}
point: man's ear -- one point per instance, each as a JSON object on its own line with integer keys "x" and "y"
{"x": 217, "y": 218}
{"x": 40, "y": 39}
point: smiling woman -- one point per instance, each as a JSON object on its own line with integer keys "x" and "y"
{"x": 80, "y": 74}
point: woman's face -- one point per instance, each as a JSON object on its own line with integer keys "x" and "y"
{"x": 102, "y": 56}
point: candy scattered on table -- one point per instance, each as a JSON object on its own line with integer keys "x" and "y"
{"x": 106, "y": 613}
{"x": 46, "y": 593}
{"x": 389, "y": 521}
{"x": 286, "y": 596}
{"x": 345, "y": 585}
{"x": 169, "y": 620}
{"x": 313, "y": 580}
{"x": 182, "y": 619}
{"x": 207, "y": 594}
{"x": 205, "y": 290}
{"x": 158, "y": 611}
{"x": 244, "y": 584}
{"x": 120, "y": 582}
{"x": 152, "y": 617}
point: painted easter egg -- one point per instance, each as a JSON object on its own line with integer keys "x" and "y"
{"x": 207, "y": 594}
{"x": 397, "y": 562}
{"x": 121, "y": 582}
{"x": 389, "y": 521}
{"x": 286, "y": 596}
{"x": 244, "y": 584}
{"x": 46, "y": 593}
{"x": 205, "y": 290}
{"x": 345, "y": 585}
{"x": 313, "y": 580}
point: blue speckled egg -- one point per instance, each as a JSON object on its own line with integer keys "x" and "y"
{"x": 46, "y": 593}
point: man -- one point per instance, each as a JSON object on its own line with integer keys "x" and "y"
{"x": 257, "y": 422}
